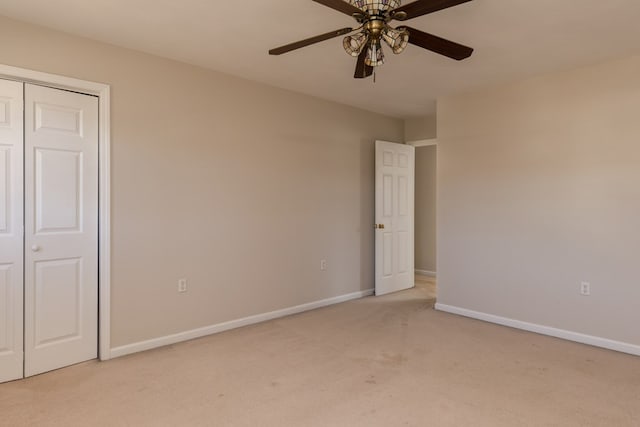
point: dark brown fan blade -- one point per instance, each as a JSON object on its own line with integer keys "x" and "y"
{"x": 306, "y": 42}
{"x": 438, "y": 45}
{"x": 423, "y": 7}
{"x": 341, "y": 6}
{"x": 363, "y": 70}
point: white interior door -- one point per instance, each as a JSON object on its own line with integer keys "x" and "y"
{"x": 61, "y": 228}
{"x": 395, "y": 180}
{"x": 11, "y": 241}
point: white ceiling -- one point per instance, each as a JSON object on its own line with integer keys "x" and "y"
{"x": 514, "y": 39}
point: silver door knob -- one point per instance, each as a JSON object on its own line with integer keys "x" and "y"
{"x": 35, "y": 248}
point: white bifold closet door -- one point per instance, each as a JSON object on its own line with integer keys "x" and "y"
{"x": 59, "y": 247}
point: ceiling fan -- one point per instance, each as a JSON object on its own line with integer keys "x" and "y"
{"x": 374, "y": 17}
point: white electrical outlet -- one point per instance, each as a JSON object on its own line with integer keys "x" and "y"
{"x": 585, "y": 288}
{"x": 182, "y": 285}
{"x": 323, "y": 264}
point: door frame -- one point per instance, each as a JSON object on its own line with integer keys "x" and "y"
{"x": 103, "y": 92}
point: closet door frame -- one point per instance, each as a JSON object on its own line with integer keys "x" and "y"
{"x": 102, "y": 91}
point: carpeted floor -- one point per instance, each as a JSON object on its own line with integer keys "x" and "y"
{"x": 388, "y": 361}
{"x": 427, "y": 287}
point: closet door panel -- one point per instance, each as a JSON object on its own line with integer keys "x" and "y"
{"x": 11, "y": 230}
{"x": 61, "y": 228}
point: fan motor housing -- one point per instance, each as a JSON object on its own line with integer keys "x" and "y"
{"x": 374, "y": 27}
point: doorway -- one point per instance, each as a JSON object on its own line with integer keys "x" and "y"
{"x": 425, "y": 214}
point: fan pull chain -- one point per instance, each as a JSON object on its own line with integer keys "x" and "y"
{"x": 374, "y": 75}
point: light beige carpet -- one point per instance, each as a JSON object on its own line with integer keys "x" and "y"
{"x": 388, "y": 361}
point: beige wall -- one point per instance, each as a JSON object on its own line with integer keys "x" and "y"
{"x": 425, "y": 208}
{"x": 539, "y": 189}
{"x": 416, "y": 129}
{"x": 238, "y": 187}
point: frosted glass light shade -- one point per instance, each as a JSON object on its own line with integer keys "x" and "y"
{"x": 396, "y": 39}
{"x": 353, "y": 44}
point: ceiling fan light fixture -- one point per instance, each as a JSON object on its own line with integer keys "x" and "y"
{"x": 354, "y": 44}
{"x": 396, "y": 39}
{"x": 375, "y": 56}
{"x": 373, "y": 17}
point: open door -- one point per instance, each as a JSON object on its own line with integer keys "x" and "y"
{"x": 395, "y": 175}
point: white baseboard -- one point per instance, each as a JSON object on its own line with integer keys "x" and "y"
{"x": 221, "y": 327}
{"x": 544, "y": 330}
{"x": 426, "y": 273}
